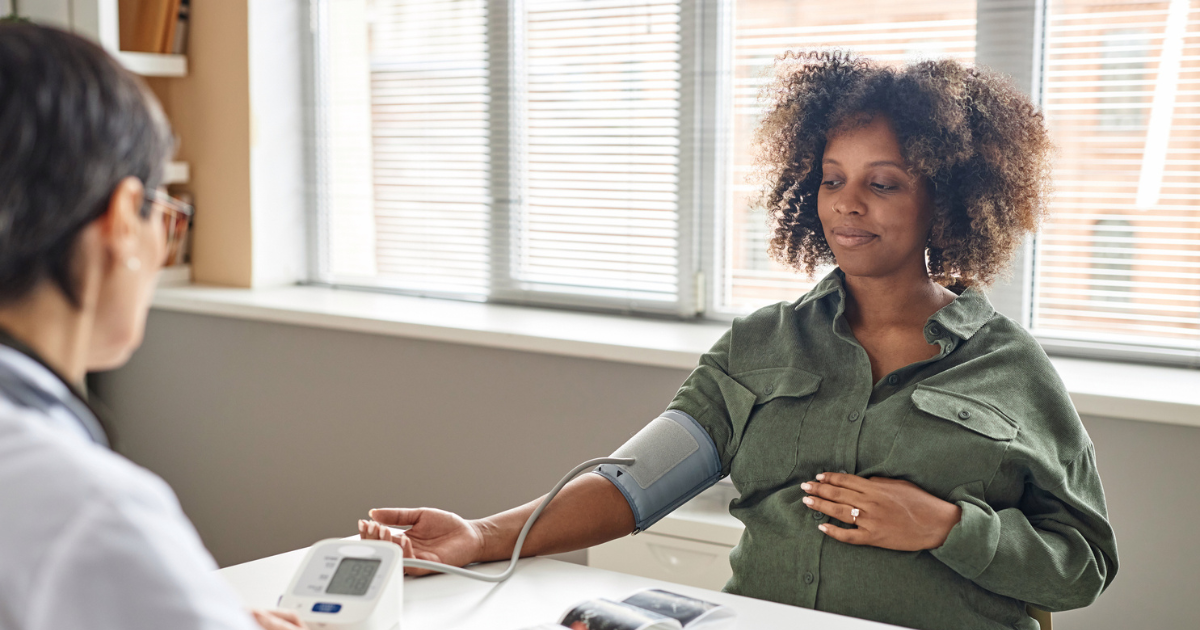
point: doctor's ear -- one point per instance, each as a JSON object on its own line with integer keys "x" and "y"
{"x": 122, "y": 221}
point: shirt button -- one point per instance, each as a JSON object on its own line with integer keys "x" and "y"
{"x": 808, "y": 577}
{"x": 817, "y": 516}
{"x": 893, "y": 379}
{"x": 768, "y": 390}
{"x": 935, "y": 330}
{"x": 853, "y": 416}
{"x": 843, "y": 471}
{"x": 964, "y": 414}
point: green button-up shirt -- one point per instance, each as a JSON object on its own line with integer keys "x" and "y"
{"x": 987, "y": 424}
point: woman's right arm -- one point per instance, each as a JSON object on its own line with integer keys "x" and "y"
{"x": 588, "y": 511}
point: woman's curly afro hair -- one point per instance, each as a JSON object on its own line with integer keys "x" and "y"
{"x": 980, "y": 144}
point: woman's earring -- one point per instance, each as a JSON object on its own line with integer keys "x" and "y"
{"x": 134, "y": 263}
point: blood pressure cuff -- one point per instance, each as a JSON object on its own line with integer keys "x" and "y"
{"x": 675, "y": 460}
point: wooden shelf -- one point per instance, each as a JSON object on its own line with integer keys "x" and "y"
{"x": 175, "y": 276}
{"x": 154, "y": 64}
{"x": 177, "y": 173}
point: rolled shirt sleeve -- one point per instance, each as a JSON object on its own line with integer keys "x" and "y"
{"x": 716, "y": 401}
{"x": 1056, "y": 550}
{"x": 688, "y": 448}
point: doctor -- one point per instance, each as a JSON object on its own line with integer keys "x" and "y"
{"x": 87, "y": 539}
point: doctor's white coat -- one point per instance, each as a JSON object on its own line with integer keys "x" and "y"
{"x": 88, "y": 540}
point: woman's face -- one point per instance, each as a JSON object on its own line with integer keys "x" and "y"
{"x": 876, "y": 214}
{"x": 135, "y": 249}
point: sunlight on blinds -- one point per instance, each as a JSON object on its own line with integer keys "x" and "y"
{"x": 1119, "y": 260}
{"x": 601, "y": 162}
{"x": 894, "y": 32}
{"x": 429, "y": 114}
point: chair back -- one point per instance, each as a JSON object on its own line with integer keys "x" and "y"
{"x": 1040, "y": 616}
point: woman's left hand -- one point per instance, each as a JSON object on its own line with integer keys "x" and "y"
{"x": 893, "y": 514}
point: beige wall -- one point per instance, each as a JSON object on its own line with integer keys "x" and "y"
{"x": 210, "y": 111}
{"x": 275, "y": 436}
{"x": 239, "y": 115}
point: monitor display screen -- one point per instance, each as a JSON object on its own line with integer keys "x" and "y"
{"x": 353, "y": 576}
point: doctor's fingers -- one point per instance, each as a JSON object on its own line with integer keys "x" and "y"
{"x": 277, "y": 620}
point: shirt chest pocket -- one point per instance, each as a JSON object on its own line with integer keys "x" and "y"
{"x": 948, "y": 440}
{"x": 770, "y": 429}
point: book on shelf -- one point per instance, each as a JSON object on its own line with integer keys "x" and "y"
{"x": 183, "y": 255}
{"x": 650, "y": 609}
{"x": 154, "y": 26}
{"x": 179, "y": 43}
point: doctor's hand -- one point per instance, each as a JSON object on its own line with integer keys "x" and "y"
{"x": 433, "y": 534}
{"x": 892, "y": 514}
{"x": 278, "y": 620}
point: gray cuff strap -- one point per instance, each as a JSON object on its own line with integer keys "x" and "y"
{"x": 676, "y": 460}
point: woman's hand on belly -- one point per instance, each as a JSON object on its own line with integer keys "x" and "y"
{"x": 892, "y": 514}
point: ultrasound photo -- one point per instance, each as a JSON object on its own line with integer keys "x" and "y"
{"x": 646, "y": 610}
{"x": 683, "y": 609}
{"x": 603, "y": 614}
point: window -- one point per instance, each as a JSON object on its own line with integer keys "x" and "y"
{"x": 431, "y": 153}
{"x": 598, "y": 153}
{"x": 527, "y": 153}
{"x": 601, "y": 158}
{"x": 1119, "y": 261}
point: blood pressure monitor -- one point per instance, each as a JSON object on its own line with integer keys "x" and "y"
{"x": 348, "y": 585}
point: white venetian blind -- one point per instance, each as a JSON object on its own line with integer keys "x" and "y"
{"x": 891, "y": 32}
{"x": 429, "y": 115}
{"x": 600, "y": 165}
{"x": 1119, "y": 261}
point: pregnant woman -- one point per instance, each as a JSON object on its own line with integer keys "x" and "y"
{"x": 903, "y": 452}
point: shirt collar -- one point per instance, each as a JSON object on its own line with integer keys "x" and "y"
{"x": 963, "y": 317}
{"x": 831, "y": 283}
{"x": 25, "y": 380}
{"x": 966, "y": 314}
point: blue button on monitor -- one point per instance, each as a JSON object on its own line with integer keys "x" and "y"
{"x": 326, "y": 608}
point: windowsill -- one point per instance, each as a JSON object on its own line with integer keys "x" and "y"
{"x": 1098, "y": 388}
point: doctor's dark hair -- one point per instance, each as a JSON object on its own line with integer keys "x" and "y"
{"x": 73, "y": 124}
{"x": 980, "y": 144}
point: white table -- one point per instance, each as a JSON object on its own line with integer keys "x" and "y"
{"x": 540, "y": 591}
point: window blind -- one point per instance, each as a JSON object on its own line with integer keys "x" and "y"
{"x": 1119, "y": 260}
{"x": 431, "y": 162}
{"x": 600, "y": 159}
{"x": 891, "y": 32}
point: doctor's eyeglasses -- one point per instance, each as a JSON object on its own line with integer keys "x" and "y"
{"x": 176, "y": 216}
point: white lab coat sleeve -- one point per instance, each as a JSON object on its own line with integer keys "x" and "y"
{"x": 132, "y": 561}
